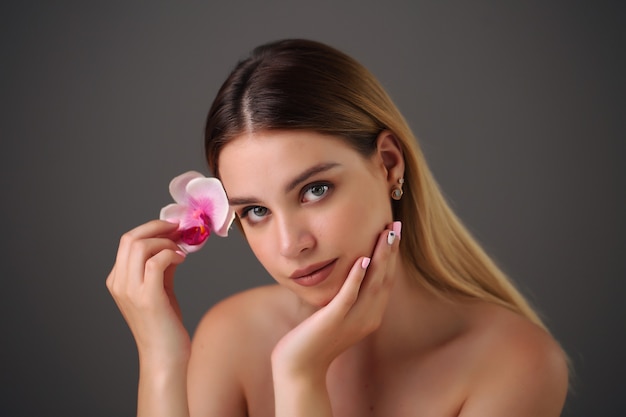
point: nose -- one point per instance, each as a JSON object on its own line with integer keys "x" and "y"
{"x": 294, "y": 235}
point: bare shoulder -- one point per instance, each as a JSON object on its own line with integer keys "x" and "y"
{"x": 231, "y": 349}
{"x": 246, "y": 315}
{"x": 520, "y": 370}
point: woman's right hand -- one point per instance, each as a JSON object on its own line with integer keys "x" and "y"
{"x": 142, "y": 284}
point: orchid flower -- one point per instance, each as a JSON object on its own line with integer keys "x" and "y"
{"x": 201, "y": 206}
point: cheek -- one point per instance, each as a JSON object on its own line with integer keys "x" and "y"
{"x": 355, "y": 225}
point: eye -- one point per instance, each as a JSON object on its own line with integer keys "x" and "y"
{"x": 254, "y": 214}
{"x": 315, "y": 192}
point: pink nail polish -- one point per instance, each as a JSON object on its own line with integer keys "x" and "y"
{"x": 397, "y": 228}
{"x": 365, "y": 263}
{"x": 181, "y": 253}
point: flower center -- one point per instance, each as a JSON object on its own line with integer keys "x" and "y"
{"x": 197, "y": 234}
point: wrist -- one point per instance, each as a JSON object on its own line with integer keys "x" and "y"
{"x": 162, "y": 391}
{"x": 161, "y": 368}
{"x": 300, "y": 393}
{"x": 289, "y": 365}
{"x": 284, "y": 371}
{"x": 164, "y": 356}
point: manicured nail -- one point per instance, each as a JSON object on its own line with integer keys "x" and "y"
{"x": 181, "y": 253}
{"x": 365, "y": 263}
{"x": 391, "y": 237}
{"x": 397, "y": 228}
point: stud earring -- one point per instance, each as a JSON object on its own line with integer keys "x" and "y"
{"x": 397, "y": 192}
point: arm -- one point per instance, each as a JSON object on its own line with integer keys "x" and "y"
{"x": 141, "y": 282}
{"x": 301, "y": 359}
{"x": 162, "y": 390}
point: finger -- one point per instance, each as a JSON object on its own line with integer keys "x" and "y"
{"x": 382, "y": 252}
{"x": 168, "y": 284}
{"x": 154, "y": 276}
{"x": 389, "y": 276}
{"x": 154, "y": 228}
{"x": 151, "y": 229}
{"x": 139, "y": 254}
{"x": 110, "y": 279}
{"x": 378, "y": 281}
{"x": 349, "y": 291}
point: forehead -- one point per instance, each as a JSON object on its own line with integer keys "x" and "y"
{"x": 271, "y": 156}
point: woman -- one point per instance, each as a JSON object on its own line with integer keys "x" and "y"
{"x": 385, "y": 305}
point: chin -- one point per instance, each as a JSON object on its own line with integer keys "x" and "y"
{"x": 318, "y": 297}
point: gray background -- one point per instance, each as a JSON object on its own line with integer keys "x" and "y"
{"x": 519, "y": 108}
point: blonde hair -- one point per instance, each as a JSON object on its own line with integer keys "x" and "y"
{"x": 306, "y": 85}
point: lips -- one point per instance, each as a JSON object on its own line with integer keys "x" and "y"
{"x": 313, "y": 274}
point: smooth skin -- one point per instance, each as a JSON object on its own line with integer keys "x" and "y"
{"x": 364, "y": 342}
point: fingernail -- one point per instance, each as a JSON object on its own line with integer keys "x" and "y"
{"x": 391, "y": 237}
{"x": 397, "y": 228}
{"x": 365, "y": 263}
{"x": 181, "y": 253}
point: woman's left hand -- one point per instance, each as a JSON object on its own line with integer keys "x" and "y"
{"x": 303, "y": 356}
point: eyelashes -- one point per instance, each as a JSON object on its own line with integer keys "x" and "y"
{"x": 315, "y": 192}
{"x": 257, "y": 211}
{"x": 311, "y": 193}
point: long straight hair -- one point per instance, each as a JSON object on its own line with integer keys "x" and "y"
{"x": 297, "y": 84}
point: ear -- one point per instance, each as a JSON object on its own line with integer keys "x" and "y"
{"x": 390, "y": 152}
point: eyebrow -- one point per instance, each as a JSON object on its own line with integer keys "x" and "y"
{"x": 305, "y": 175}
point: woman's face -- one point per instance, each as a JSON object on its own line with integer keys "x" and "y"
{"x": 309, "y": 205}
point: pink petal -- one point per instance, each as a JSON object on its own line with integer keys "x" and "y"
{"x": 223, "y": 231}
{"x": 179, "y": 184}
{"x": 209, "y": 195}
{"x": 195, "y": 235}
{"x": 173, "y": 213}
{"x": 177, "y": 213}
{"x": 201, "y": 202}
